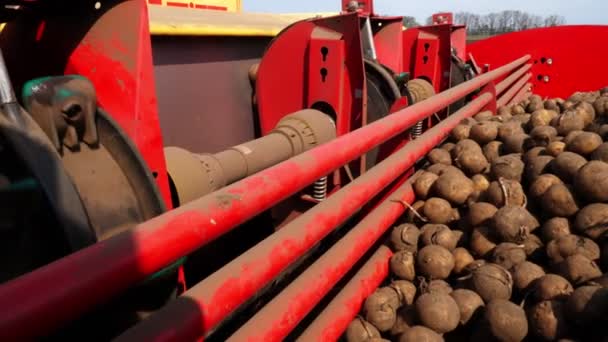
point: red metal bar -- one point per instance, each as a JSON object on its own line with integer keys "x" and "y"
{"x": 334, "y": 319}
{"x": 36, "y": 303}
{"x": 507, "y": 82}
{"x": 283, "y": 313}
{"x": 205, "y": 305}
{"x": 509, "y": 94}
{"x": 523, "y": 93}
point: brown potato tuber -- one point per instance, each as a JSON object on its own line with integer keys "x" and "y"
{"x": 453, "y": 187}
{"x": 525, "y": 274}
{"x": 517, "y": 143}
{"x": 438, "y": 211}
{"x": 402, "y": 265}
{"x": 591, "y": 181}
{"x": 491, "y": 281}
{"x": 559, "y": 249}
{"x": 555, "y": 148}
{"x": 548, "y": 320}
{"x": 592, "y": 220}
{"x": 405, "y": 238}
{"x": 578, "y": 269}
{"x": 584, "y": 143}
{"x": 566, "y": 165}
{"x": 359, "y": 330}
{"x": 406, "y": 291}
{"x": 555, "y": 228}
{"x": 480, "y": 213}
{"x": 482, "y": 241}
{"x": 484, "y": 132}
{"x": 543, "y": 135}
{"x": 469, "y": 303}
{"x": 507, "y": 167}
{"x": 437, "y": 311}
{"x": 506, "y": 321}
{"x": 435, "y": 262}
{"x": 438, "y": 234}
{"x": 588, "y": 306}
{"x": 420, "y": 333}
{"x": 462, "y": 259}
{"x": 508, "y": 255}
{"x": 514, "y": 224}
{"x": 460, "y": 132}
{"x": 539, "y": 186}
{"x": 506, "y": 192}
{"x": 493, "y": 150}
{"x": 600, "y": 153}
{"x": 423, "y": 184}
{"x": 558, "y": 200}
{"x": 439, "y": 156}
{"x": 552, "y": 286}
{"x": 538, "y": 166}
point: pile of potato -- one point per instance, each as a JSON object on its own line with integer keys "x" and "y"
{"x": 508, "y": 238}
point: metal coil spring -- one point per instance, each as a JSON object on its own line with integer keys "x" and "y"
{"x": 417, "y": 129}
{"x": 320, "y": 189}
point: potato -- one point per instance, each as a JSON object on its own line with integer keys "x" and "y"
{"x": 491, "y": 282}
{"x": 570, "y": 136}
{"x": 538, "y": 166}
{"x": 586, "y": 111}
{"x": 552, "y": 286}
{"x": 483, "y": 116}
{"x": 559, "y": 249}
{"x": 600, "y": 153}
{"x": 504, "y": 110}
{"x": 380, "y": 311}
{"x": 482, "y": 241}
{"x": 436, "y": 286}
{"x": 517, "y": 110}
{"x": 588, "y": 306}
{"x": 424, "y": 184}
{"x": 541, "y": 117}
{"x": 480, "y": 183}
{"x": 591, "y": 181}
{"x": 584, "y": 143}
{"x": 533, "y": 153}
{"x": 526, "y": 274}
{"x": 448, "y": 146}
{"x": 509, "y": 128}
{"x": 508, "y": 167}
{"x": 566, "y": 165}
{"x": 558, "y": 200}
{"x": 508, "y": 255}
{"x": 420, "y": 334}
{"x": 555, "y": 228}
{"x": 506, "y": 192}
{"x": 437, "y": 311}
{"x": 453, "y": 187}
{"x": 439, "y": 156}
{"x": 438, "y": 211}
{"x": 548, "y": 320}
{"x": 469, "y": 304}
{"x": 522, "y": 118}
{"x": 541, "y": 184}
{"x": 555, "y": 148}
{"x": 484, "y": 132}
{"x": 517, "y": 143}
{"x": 543, "y": 135}
{"x": 469, "y": 157}
{"x": 506, "y": 321}
{"x": 402, "y": 265}
{"x": 462, "y": 259}
{"x": 551, "y": 104}
{"x": 568, "y": 121}
{"x": 480, "y": 213}
{"x": 601, "y": 106}
{"x": 460, "y": 132}
{"x": 493, "y": 150}
{"x": 514, "y": 224}
{"x": 435, "y": 262}
{"x": 360, "y": 330}
{"x": 578, "y": 269}
{"x": 406, "y": 291}
{"x": 405, "y": 238}
{"x": 533, "y": 247}
{"x": 592, "y": 220}
{"x": 438, "y": 234}
{"x": 534, "y": 105}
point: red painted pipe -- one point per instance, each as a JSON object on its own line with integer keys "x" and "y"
{"x": 509, "y": 94}
{"x": 331, "y": 323}
{"x": 523, "y": 93}
{"x": 205, "y": 305}
{"x": 284, "y": 312}
{"x": 507, "y": 82}
{"x": 39, "y": 302}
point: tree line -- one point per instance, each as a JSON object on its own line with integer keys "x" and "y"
{"x": 498, "y": 22}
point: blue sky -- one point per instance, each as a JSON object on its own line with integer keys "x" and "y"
{"x": 575, "y": 11}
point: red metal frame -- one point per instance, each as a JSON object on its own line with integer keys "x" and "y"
{"x": 579, "y": 68}
{"x": 52, "y": 295}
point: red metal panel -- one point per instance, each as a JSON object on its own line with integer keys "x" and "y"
{"x": 571, "y": 56}
{"x": 331, "y": 323}
{"x": 116, "y": 56}
{"x": 61, "y": 291}
{"x": 388, "y": 42}
{"x": 459, "y": 41}
{"x": 443, "y": 18}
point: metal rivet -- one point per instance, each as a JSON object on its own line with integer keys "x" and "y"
{"x": 546, "y": 79}
{"x": 97, "y": 5}
{"x": 550, "y": 61}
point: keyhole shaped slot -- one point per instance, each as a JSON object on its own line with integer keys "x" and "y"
{"x": 427, "y": 46}
{"x": 324, "y": 52}
{"x": 323, "y": 74}
{"x": 425, "y": 59}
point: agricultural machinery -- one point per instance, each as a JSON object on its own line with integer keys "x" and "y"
{"x": 175, "y": 171}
